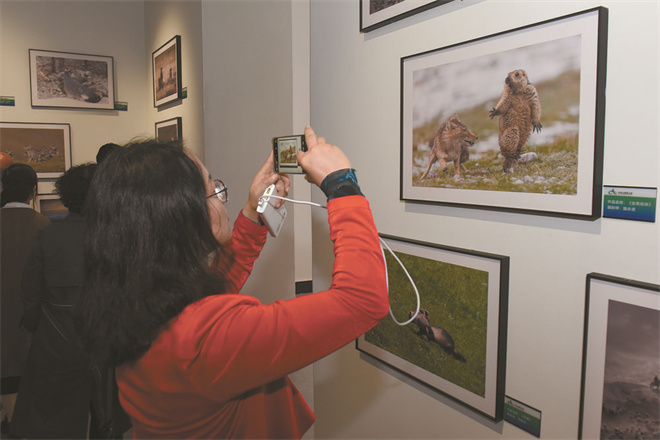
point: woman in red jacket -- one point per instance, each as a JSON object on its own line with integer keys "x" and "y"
{"x": 194, "y": 359}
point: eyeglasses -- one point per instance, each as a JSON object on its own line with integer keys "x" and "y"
{"x": 220, "y": 191}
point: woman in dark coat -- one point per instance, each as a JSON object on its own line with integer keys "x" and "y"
{"x": 56, "y": 390}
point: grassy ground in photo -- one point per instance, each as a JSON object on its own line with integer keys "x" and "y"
{"x": 457, "y": 300}
{"x": 554, "y": 171}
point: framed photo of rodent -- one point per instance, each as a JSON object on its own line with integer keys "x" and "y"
{"x": 166, "y": 70}
{"x": 73, "y": 80}
{"x": 621, "y": 359}
{"x": 456, "y": 343}
{"x": 45, "y": 147}
{"x": 169, "y": 130}
{"x": 378, "y": 13}
{"x": 513, "y": 121}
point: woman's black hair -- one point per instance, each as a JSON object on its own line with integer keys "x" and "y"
{"x": 19, "y": 181}
{"x": 147, "y": 249}
{"x": 73, "y": 185}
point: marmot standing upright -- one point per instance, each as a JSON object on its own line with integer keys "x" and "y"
{"x": 519, "y": 110}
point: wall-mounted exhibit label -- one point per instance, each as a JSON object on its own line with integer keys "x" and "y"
{"x": 523, "y": 416}
{"x": 8, "y": 101}
{"x": 630, "y": 203}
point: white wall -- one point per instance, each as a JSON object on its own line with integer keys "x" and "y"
{"x": 248, "y": 100}
{"x": 110, "y": 28}
{"x": 355, "y": 104}
{"x": 162, "y": 21}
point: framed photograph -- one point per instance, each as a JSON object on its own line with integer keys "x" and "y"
{"x": 45, "y": 147}
{"x": 456, "y": 344}
{"x": 61, "y": 79}
{"x": 166, "y": 62}
{"x": 512, "y": 121}
{"x": 51, "y": 206}
{"x": 168, "y": 130}
{"x": 378, "y": 13}
{"x": 621, "y": 361}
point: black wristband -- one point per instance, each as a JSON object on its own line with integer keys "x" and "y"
{"x": 341, "y": 183}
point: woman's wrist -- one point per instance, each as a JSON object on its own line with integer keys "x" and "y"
{"x": 341, "y": 183}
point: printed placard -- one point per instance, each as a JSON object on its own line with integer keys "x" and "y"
{"x": 630, "y": 203}
{"x": 523, "y": 416}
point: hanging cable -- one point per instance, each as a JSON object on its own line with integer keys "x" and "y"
{"x": 383, "y": 247}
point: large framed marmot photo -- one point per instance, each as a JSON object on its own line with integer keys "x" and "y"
{"x": 512, "y": 121}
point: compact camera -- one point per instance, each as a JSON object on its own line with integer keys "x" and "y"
{"x": 271, "y": 217}
{"x": 286, "y": 149}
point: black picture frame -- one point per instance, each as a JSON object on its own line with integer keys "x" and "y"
{"x": 71, "y": 80}
{"x": 166, "y": 72}
{"x": 375, "y": 14}
{"x": 472, "y": 308}
{"x": 621, "y": 359}
{"x": 45, "y": 147}
{"x": 448, "y": 97}
{"x": 169, "y": 129}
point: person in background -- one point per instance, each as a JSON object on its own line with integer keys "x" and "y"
{"x": 163, "y": 275}
{"x": 20, "y": 224}
{"x": 56, "y": 391}
{"x": 104, "y": 151}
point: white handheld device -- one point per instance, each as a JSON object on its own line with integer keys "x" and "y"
{"x": 271, "y": 217}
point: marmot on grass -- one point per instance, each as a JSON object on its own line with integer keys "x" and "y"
{"x": 450, "y": 143}
{"x": 519, "y": 110}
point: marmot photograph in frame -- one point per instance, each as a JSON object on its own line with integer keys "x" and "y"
{"x": 169, "y": 130}
{"x": 456, "y": 344}
{"x": 45, "y": 147}
{"x": 378, "y": 13}
{"x": 513, "y": 121}
{"x": 166, "y": 63}
{"x": 73, "y": 80}
{"x": 621, "y": 361}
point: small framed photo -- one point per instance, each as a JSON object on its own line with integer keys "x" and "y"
{"x": 621, "y": 360}
{"x": 45, "y": 147}
{"x": 168, "y": 130}
{"x": 61, "y": 79}
{"x": 456, "y": 344}
{"x": 378, "y": 13}
{"x": 512, "y": 121}
{"x": 166, "y": 62}
{"x": 51, "y": 206}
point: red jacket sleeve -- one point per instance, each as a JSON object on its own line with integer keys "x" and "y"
{"x": 242, "y": 344}
{"x": 248, "y": 238}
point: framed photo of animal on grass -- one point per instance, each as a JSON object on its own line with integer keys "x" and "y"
{"x": 166, "y": 63}
{"x": 512, "y": 121}
{"x": 45, "y": 147}
{"x": 456, "y": 344}
{"x": 621, "y": 362}
{"x": 378, "y": 13}
{"x": 61, "y": 79}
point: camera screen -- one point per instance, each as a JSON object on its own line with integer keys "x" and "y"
{"x": 286, "y": 149}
